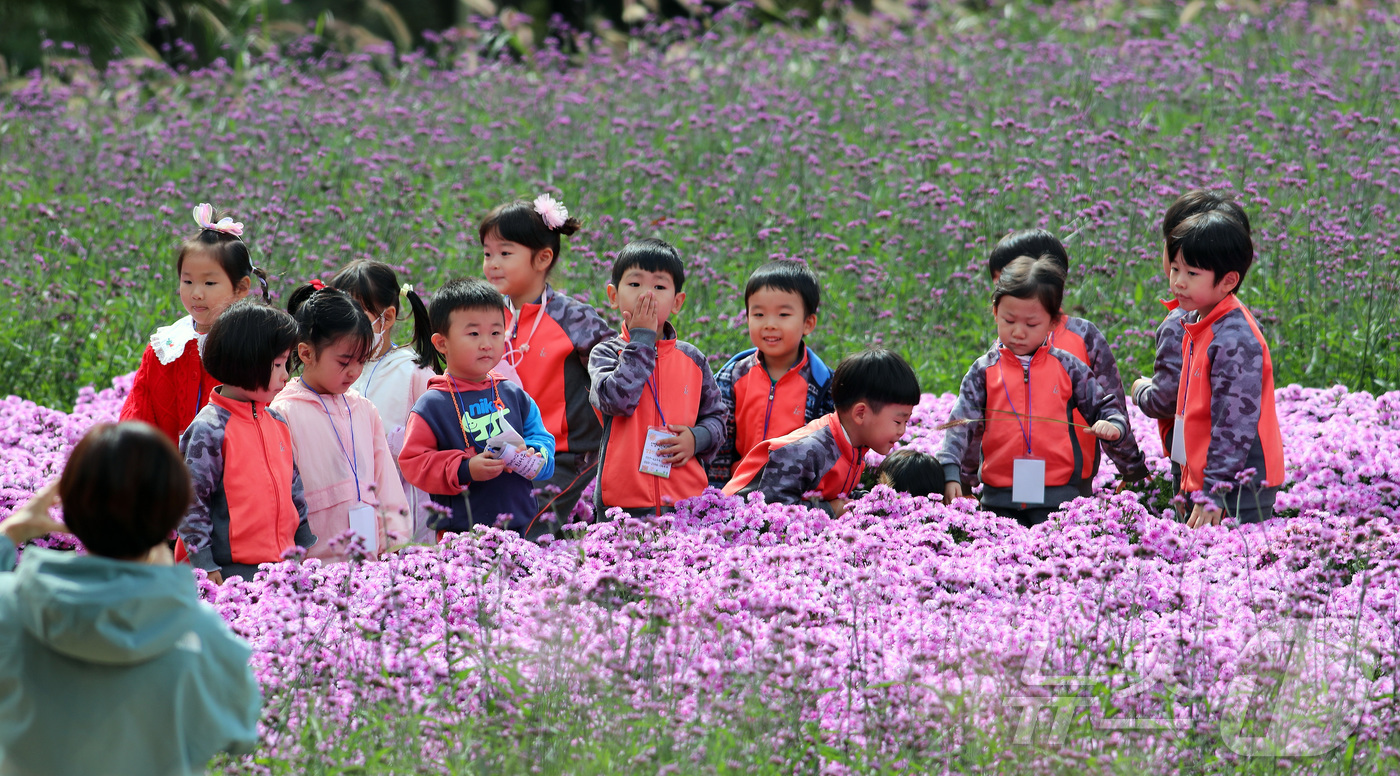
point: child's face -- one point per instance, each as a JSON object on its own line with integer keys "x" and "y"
{"x": 777, "y": 322}
{"x": 1022, "y": 324}
{"x": 879, "y": 431}
{"x": 511, "y": 267}
{"x": 335, "y": 368}
{"x": 1196, "y": 289}
{"x": 275, "y": 383}
{"x": 474, "y": 342}
{"x": 205, "y": 289}
{"x": 637, "y": 283}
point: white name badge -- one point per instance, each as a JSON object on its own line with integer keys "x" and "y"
{"x": 364, "y": 521}
{"x": 1028, "y": 481}
{"x": 652, "y": 462}
{"x": 1179, "y": 441}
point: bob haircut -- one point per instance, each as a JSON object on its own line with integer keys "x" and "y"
{"x": 244, "y": 341}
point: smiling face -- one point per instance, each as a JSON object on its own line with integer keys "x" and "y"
{"x": 1022, "y": 324}
{"x": 474, "y": 342}
{"x": 777, "y": 324}
{"x": 635, "y": 282}
{"x": 205, "y": 288}
{"x": 335, "y": 368}
{"x": 1196, "y": 289}
{"x": 879, "y": 431}
{"x": 513, "y": 269}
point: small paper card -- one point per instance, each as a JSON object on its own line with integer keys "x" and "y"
{"x": 517, "y": 459}
{"x": 1028, "y": 481}
{"x": 364, "y": 521}
{"x": 506, "y": 436}
{"x": 651, "y": 453}
{"x": 1179, "y": 441}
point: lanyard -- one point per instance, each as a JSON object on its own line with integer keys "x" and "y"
{"x": 515, "y": 329}
{"x": 352, "y": 457}
{"x": 369, "y": 380}
{"x": 1025, "y": 430}
{"x": 652, "y": 383}
{"x": 495, "y": 399}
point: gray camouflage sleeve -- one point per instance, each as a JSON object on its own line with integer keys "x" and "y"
{"x": 962, "y": 441}
{"x": 710, "y": 419}
{"x": 1236, "y": 400}
{"x": 1094, "y": 403}
{"x": 1157, "y": 399}
{"x": 203, "y": 447}
{"x": 719, "y": 469}
{"x": 303, "y": 537}
{"x": 791, "y": 471}
{"x": 619, "y": 372}
{"x": 1124, "y": 451}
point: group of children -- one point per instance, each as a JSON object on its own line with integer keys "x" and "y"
{"x": 316, "y": 425}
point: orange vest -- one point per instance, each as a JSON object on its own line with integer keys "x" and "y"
{"x": 1042, "y": 389}
{"x": 837, "y": 481}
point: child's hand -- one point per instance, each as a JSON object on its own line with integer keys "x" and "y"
{"x": 1106, "y": 431}
{"x": 839, "y": 506}
{"x": 32, "y": 520}
{"x": 1138, "y": 384}
{"x": 644, "y": 315}
{"x": 679, "y": 449}
{"x": 951, "y": 491}
{"x": 217, "y": 577}
{"x": 483, "y": 467}
{"x": 1204, "y": 514}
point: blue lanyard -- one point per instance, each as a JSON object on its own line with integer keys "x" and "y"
{"x": 656, "y": 396}
{"x": 370, "y": 379}
{"x": 1025, "y": 432}
{"x": 353, "y": 457}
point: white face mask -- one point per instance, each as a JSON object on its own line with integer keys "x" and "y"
{"x": 378, "y": 335}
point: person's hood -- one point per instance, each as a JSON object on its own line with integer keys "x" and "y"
{"x": 105, "y": 611}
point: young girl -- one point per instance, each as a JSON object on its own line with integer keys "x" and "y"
{"x": 215, "y": 269}
{"x": 395, "y": 375}
{"x": 349, "y": 474}
{"x": 248, "y": 506}
{"x": 1017, "y": 401}
{"x": 549, "y": 338}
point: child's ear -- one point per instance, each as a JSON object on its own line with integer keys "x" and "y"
{"x": 440, "y": 343}
{"x": 678, "y": 304}
{"x": 809, "y": 325}
{"x": 304, "y": 352}
{"x": 242, "y": 287}
{"x": 542, "y": 259}
{"x": 1231, "y": 281}
{"x": 612, "y": 296}
{"x": 860, "y": 412}
{"x": 391, "y": 316}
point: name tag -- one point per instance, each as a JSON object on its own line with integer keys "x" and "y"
{"x": 652, "y": 462}
{"x": 364, "y": 521}
{"x": 1179, "y": 441}
{"x": 1028, "y": 481}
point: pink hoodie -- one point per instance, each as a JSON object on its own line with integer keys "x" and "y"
{"x": 325, "y": 471}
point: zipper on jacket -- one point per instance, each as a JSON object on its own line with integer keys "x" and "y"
{"x": 768, "y": 413}
{"x": 267, "y": 459}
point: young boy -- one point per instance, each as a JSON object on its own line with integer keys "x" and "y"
{"x": 779, "y": 384}
{"x": 662, "y": 415}
{"x": 1084, "y": 341}
{"x": 475, "y": 441}
{"x": 875, "y": 392}
{"x": 1156, "y": 395}
{"x": 1225, "y": 424}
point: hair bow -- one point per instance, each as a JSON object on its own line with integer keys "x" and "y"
{"x": 204, "y": 216}
{"x": 317, "y": 284}
{"x": 551, "y": 210}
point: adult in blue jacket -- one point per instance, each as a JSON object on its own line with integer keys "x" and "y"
{"x": 112, "y": 664}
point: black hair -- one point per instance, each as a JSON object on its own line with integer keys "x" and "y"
{"x": 230, "y": 251}
{"x": 375, "y": 286}
{"x": 649, "y": 255}
{"x": 786, "y": 275}
{"x": 124, "y": 489}
{"x": 909, "y": 471}
{"x": 1199, "y": 201}
{"x": 1042, "y": 279}
{"x": 471, "y": 294}
{"x": 244, "y": 341}
{"x": 875, "y": 376}
{"x": 1214, "y": 241}
{"x": 1027, "y": 242}
{"x": 325, "y": 315}
{"x": 518, "y": 222}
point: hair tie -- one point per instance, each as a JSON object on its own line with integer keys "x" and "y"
{"x": 204, "y": 216}
{"x": 552, "y": 211}
{"x": 405, "y": 289}
{"x": 317, "y": 284}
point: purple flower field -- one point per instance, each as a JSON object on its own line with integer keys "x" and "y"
{"x": 905, "y": 637}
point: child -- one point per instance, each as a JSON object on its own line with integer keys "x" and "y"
{"x": 396, "y": 375}
{"x": 875, "y": 392}
{"x": 350, "y": 477}
{"x": 910, "y": 471}
{"x": 112, "y": 663}
{"x": 662, "y": 414}
{"x": 549, "y": 339}
{"x": 1017, "y": 401}
{"x": 1156, "y": 395}
{"x": 1230, "y": 448}
{"x": 214, "y": 269}
{"x": 248, "y": 506}
{"x": 454, "y": 447}
{"x": 778, "y": 385}
{"x": 1084, "y": 341}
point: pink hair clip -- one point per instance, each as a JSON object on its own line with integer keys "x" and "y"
{"x": 551, "y": 210}
{"x": 204, "y": 216}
